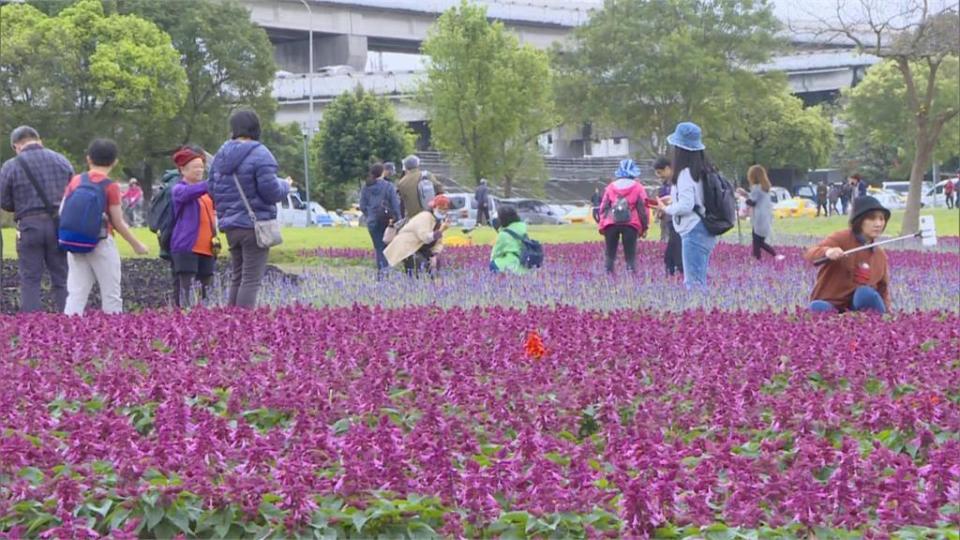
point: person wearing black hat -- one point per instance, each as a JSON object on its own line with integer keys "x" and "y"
{"x": 859, "y": 281}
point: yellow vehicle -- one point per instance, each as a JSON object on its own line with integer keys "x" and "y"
{"x": 795, "y": 207}
{"x": 580, "y": 214}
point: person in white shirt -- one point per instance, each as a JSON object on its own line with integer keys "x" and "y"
{"x": 685, "y": 202}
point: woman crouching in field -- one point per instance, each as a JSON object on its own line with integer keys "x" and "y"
{"x": 859, "y": 281}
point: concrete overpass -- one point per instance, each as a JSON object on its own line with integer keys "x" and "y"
{"x": 348, "y": 32}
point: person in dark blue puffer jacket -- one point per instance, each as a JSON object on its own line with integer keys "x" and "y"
{"x": 256, "y": 170}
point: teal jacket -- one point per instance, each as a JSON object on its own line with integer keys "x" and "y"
{"x": 506, "y": 252}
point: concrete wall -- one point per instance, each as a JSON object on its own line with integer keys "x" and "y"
{"x": 337, "y": 50}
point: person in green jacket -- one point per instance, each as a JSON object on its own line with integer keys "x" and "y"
{"x": 505, "y": 256}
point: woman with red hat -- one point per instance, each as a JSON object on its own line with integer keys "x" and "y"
{"x": 420, "y": 240}
{"x": 194, "y": 244}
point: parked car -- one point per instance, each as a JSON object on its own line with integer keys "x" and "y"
{"x": 904, "y": 187}
{"x": 292, "y": 212}
{"x": 778, "y": 194}
{"x": 795, "y": 207}
{"x": 808, "y": 191}
{"x": 580, "y": 214}
{"x": 890, "y": 199}
{"x": 463, "y": 209}
{"x": 932, "y": 196}
{"x": 532, "y": 211}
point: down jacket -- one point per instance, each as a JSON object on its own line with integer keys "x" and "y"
{"x": 256, "y": 169}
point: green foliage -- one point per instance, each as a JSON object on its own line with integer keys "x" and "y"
{"x": 358, "y": 129}
{"x": 488, "y": 97}
{"x": 880, "y": 128}
{"x": 96, "y": 67}
{"x": 285, "y": 141}
{"x": 83, "y": 73}
{"x": 648, "y": 65}
{"x": 775, "y": 130}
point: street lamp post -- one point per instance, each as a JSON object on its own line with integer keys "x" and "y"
{"x": 311, "y": 124}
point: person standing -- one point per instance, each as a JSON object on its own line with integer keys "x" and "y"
{"x": 673, "y": 254}
{"x": 194, "y": 245}
{"x": 101, "y": 265}
{"x": 132, "y": 201}
{"x": 408, "y": 187}
{"x": 690, "y": 167}
{"x": 381, "y": 207}
{"x": 859, "y": 281}
{"x": 762, "y": 207}
{"x": 822, "y": 199}
{"x": 31, "y": 186}
{"x": 833, "y": 196}
{"x": 846, "y": 195}
{"x": 861, "y": 185}
{"x": 595, "y": 203}
{"x": 483, "y": 203}
{"x": 949, "y": 191}
{"x": 389, "y": 171}
{"x": 243, "y": 160}
{"x": 623, "y": 215}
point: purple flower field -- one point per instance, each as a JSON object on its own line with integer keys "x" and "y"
{"x": 426, "y": 408}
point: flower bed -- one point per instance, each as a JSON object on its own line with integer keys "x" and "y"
{"x": 485, "y": 421}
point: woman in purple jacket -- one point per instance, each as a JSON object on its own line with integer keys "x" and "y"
{"x": 194, "y": 244}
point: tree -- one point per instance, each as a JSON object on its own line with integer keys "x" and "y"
{"x": 487, "y": 96}
{"x": 285, "y": 141}
{"x": 358, "y": 128}
{"x": 918, "y": 40}
{"x": 228, "y": 61}
{"x": 878, "y": 123}
{"x": 649, "y": 65}
{"x": 82, "y": 74}
{"x": 775, "y": 130}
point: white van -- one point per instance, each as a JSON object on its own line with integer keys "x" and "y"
{"x": 292, "y": 212}
{"x": 463, "y": 209}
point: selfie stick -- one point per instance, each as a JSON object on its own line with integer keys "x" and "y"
{"x": 927, "y": 232}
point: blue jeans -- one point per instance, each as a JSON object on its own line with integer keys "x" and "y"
{"x": 376, "y": 234}
{"x": 696, "y": 248}
{"x": 864, "y": 299}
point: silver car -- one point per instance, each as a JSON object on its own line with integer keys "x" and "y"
{"x": 463, "y": 209}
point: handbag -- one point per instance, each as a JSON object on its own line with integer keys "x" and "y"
{"x": 392, "y": 229}
{"x": 266, "y": 231}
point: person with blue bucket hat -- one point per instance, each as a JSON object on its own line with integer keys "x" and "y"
{"x": 690, "y": 167}
{"x": 623, "y": 214}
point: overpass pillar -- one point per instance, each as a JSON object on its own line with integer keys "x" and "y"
{"x": 344, "y": 49}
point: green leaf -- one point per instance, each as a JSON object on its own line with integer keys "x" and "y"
{"x": 359, "y": 520}
{"x": 102, "y": 508}
{"x": 154, "y": 515}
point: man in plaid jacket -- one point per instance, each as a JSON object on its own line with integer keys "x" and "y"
{"x": 35, "y": 204}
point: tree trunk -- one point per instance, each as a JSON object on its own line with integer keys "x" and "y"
{"x": 921, "y": 160}
{"x": 507, "y": 186}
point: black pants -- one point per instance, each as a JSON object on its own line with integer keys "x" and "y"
{"x": 483, "y": 215}
{"x": 760, "y": 243}
{"x": 673, "y": 255}
{"x": 822, "y": 204}
{"x": 613, "y": 234}
{"x": 950, "y": 197}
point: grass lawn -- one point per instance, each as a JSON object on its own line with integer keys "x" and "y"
{"x": 297, "y": 240}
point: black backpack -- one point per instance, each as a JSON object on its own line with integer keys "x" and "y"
{"x": 531, "y": 251}
{"x": 719, "y": 212}
{"x": 160, "y": 216}
{"x": 620, "y": 211}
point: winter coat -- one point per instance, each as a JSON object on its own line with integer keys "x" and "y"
{"x": 506, "y": 252}
{"x": 186, "y": 212}
{"x": 419, "y": 230}
{"x": 256, "y": 170}
{"x": 636, "y": 196}
{"x": 372, "y": 198}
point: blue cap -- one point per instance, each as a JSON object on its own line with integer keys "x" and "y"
{"x": 687, "y": 136}
{"x": 628, "y": 169}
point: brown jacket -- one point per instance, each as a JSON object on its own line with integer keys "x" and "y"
{"x": 407, "y": 188}
{"x": 835, "y": 280}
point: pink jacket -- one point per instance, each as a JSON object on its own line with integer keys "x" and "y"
{"x": 635, "y": 195}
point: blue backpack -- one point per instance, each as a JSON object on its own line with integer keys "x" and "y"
{"x": 531, "y": 251}
{"x": 82, "y": 216}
